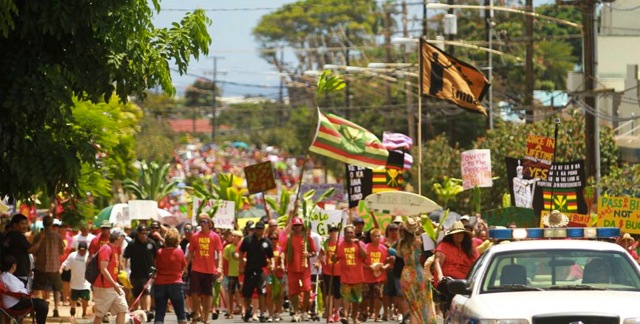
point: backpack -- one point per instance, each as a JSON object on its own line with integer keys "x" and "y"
{"x": 93, "y": 269}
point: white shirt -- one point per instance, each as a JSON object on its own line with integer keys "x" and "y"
{"x": 78, "y": 265}
{"x": 79, "y": 238}
{"x": 13, "y": 284}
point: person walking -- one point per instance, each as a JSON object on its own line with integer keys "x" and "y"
{"x": 299, "y": 248}
{"x": 108, "y": 295}
{"x": 76, "y": 264}
{"x": 415, "y": 288}
{"x": 170, "y": 263}
{"x": 330, "y": 275}
{"x": 101, "y": 239}
{"x": 232, "y": 272}
{"x": 141, "y": 253}
{"x": 454, "y": 257}
{"x": 375, "y": 275}
{"x": 205, "y": 257}
{"x": 47, "y": 262}
{"x": 351, "y": 254}
{"x": 259, "y": 253}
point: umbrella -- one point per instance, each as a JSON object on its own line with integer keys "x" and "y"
{"x": 113, "y": 214}
{"x": 252, "y": 213}
{"x": 452, "y": 217}
{"x": 240, "y": 145}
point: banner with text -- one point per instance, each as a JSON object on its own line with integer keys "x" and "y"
{"x": 539, "y": 156}
{"x": 383, "y": 219}
{"x": 359, "y": 183}
{"x": 321, "y": 220}
{"x": 621, "y": 212}
{"x": 476, "y": 168}
{"x": 562, "y": 190}
{"x": 225, "y": 213}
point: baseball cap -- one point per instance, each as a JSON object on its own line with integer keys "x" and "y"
{"x": 105, "y": 224}
{"x": 465, "y": 217}
{"x": 333, "y": 228}
{"x": 236, "y": 233}
{"x": 117, "y": 232}
{"x": 260, "y": 225}
{"x": 82, "y": 245}
{"x": 57, "y": 222}
{"x": 358, "y": 220}
{"x": 142, "y": 228}
{"x": 155, "y": 224}
{"x": 296, "y": 221}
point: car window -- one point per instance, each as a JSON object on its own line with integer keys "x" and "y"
{"x": 560, "y": 269}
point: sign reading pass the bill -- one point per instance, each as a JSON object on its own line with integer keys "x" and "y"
{"x": 400, "y": 203}
{"x": 621, "y": 212}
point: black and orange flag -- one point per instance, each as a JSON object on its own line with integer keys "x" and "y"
{"x": 445, "y": 77}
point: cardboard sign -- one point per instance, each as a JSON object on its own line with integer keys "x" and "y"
{"x": 539, "y": 156}
{"x": 225, "y": 215}
{"x": 476, "y": 169}
{"x": 321, "y": 220}
{"x": 383, "y": 219}
{"x": 562, "y": 190}
{"x": 358, "y": 183}
{"x": 522, "y": 217}
{"x": 260, "y": 177}
{"x": 143, "y": 209}
{"x": 208, "y": 206}
{"x": 400, "y": 203}
{"x": 621, "y": 212}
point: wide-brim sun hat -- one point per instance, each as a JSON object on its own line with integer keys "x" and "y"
{"x": 555, "y": 219}
{"x": 458, "y": 227}
{"x": 412, "y": 224}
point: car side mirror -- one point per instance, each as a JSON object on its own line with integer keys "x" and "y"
{"x": 459, "y": 287}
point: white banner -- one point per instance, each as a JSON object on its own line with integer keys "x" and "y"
{"x": 225, "y": 215}
{"x": 476, "y": 168}
{"x": 143, "y": 209}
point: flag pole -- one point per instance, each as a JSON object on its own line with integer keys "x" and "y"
{"x": 419, "y": 139}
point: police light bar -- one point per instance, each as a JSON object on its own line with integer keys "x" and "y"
{"x": 554, "y": 232}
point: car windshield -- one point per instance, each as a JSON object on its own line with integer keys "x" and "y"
{"x": 534, "y": 270}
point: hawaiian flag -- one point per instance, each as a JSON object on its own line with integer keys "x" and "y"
{"x": 564, "y": 199}
{"x": 396, "y": 141}
{"x": 389, "y": 178}
{"x": 348, "y": 142}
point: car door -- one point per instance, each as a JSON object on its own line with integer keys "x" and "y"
{"x": 457, "y": 312}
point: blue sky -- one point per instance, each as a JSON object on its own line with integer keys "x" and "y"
{"x": 232, "y": 42}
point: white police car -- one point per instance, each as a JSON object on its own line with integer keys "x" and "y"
{"x": 550, "y": 281}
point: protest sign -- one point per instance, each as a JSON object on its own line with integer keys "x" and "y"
{"x": 539, "y": 156}
{"x": 208, "y": 206}
{"x": 562, "y": 190}
{"x": 225, "y": 215}
{"x": 575, "y": 219}
{"x": 321, "y": 220}
{"x": 621, "y": 212}
{"x": 383, "y": 219}
{"x": 358, "y": 183}
{"x": 476, "y": 169}
{"x": 400, "y": 203}
{"x": 143, "y": 209}
{"x": 260, "y": 177}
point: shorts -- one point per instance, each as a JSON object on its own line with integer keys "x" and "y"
{"x": 295, "y": 279}
{"x": 233, "y": 284}
{"x": 84, "y": 294}
{"x": 335, "y": 285}
{"x": 65, "y": 276}
{"x": 201, "y": 283}
{"x": 41, "y": 279}
{"x": 254, "y": 281}
{"x": 392, "y": 287}
{"x": 139, "y": 287}
{"x": 372, "y": 290}
{"x": 107, "y": 300}
{"x": 351, "y": 292}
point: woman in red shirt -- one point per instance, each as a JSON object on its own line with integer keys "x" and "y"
{"x": 170, "y": 264}
{"x": 454, "y": 257}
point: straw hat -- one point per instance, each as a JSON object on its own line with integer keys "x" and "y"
{"x": 555, "y": 219}
{"x": 412, "y": 224}
{"x": 458, "y": 227}
{"x": 627, "y": 237}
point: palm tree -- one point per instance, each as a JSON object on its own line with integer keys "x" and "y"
{"x": 152, "y": 183}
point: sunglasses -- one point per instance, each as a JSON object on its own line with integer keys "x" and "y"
{"x": 273, "y": 238}
{"x": 204, "y": 221}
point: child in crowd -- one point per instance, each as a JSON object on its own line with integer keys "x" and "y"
{"x": 232, "y": 272}
{"x": 80, "y": 288}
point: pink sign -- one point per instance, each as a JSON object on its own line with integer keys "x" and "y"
{"x": 476, "y": 169}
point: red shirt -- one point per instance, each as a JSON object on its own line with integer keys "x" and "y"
{"x": 328, "y": 265}
{"x": 96, "y": 243}
{"x": 109, "y": 253}
{"x": 456, "y": 263}
{"x": 351, "y": 263}
{"x": 169, "y": 262}
{"x": 203, "y": 248}
{"x": 277, "y": 261}
{"x": 296, "y": 263}
{"x": 375, "y": 254}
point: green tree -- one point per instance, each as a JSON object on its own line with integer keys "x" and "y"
{"x": 153, "y": 182}
{"x": 155, "y": 141}
{"x": 53, "y": 52}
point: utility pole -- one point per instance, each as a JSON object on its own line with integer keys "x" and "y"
{"x": 488, "y": 23}
{"x": 451, "y": 49}
{"x": 528, "y": 64}
{"x": 347, "y": 94}
{"x": 591, "y": 129}
{"x": 213, "y": 101}
{"x": 387, "y": 46}
{"x": 411, "y": 120}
